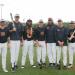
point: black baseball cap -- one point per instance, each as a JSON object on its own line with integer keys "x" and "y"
{"x": 2, "y": 21}
{"x": 50, "y": 19}
{"x": 72, "y": 22}
{"x": 29, "y": 20}
{"x": 59, "y": 20}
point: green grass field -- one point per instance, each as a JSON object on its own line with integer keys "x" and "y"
{"x": 28, "y": 70}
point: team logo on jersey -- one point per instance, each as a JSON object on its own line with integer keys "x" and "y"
{"x": 42, "y": 33}
{"x": 29, "y": 33}
{"x": 2, "y": 33}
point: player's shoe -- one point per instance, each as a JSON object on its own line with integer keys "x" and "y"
{"x": 54, "y": 64}
{"x": 22, "y": 67}
{"x": 50, "y": 64}
{"x": 65, "y": 67}
{"x": 33, "y": 66}
{"x": 69, "y": 66}
{"x": 5, "y": 70}
{"x": 44, "y": 64}
{"x": 58, "y": 66}
{"x": 16, "y": 67}
{"x": 40, "y": 65}
{"x": 13, "y": 69}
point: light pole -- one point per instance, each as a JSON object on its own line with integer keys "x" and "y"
{"x": 1, "y": 9}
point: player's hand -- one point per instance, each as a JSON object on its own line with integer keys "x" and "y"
{"x": 14, "y": 29}
{"x": 34, "y": 42}
{"x": 8, "y": 45}
{"x": 71, "y": 37}
{"x": 60, "y": 43}
{"x": 38, "y": 44}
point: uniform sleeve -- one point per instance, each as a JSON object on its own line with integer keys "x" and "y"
{"x": 22, "y": 29}
{"x": 24, "y": 33}
{"x": 69, "y": 33}
{"x": 7, "y": 32}
{"x": 10, "y": 26}
{"x": 45, "y": 33}
{"x": 35, "y": 35}
{"x": 55, "y": 34}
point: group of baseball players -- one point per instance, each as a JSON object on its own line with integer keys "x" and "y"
{"x": 52, "y": 40}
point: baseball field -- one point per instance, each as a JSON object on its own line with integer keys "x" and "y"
{"x": 28, "y": 70}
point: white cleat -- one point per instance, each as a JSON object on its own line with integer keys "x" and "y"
{"x": 5, "y": 70}
{"x": 22, "y": 67}
{"x": 33, "y": 66}
{"x": 69, "y": 66}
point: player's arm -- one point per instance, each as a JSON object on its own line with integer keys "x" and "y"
{"x": 57, "y": 38}
{"x": 71, "y": 36}
{"x": 35, "y": 36}
{"x": 10, "y": 26}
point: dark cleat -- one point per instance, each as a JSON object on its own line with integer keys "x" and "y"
{"x": 16, "y": 67}
{"x": 13, "y": 69}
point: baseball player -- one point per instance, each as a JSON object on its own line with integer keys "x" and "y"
{"x": 15, "y": 36}
{"x": 41, "y": 47}
{"x": 61, "y": 41}
{"x": 28, "y": 43}
{"x": 71, "y": 44}
{"x": 4, "y": 34}
{"x": 51, "y": 44}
